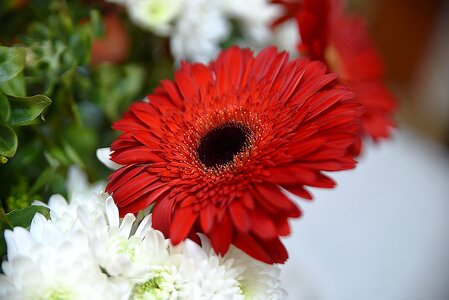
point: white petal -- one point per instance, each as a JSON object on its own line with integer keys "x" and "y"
{"x": 127, "y": 224}
{"x": 193, "y": 250}
{"x": 76, "y": 180}
{"x": 205, "y": 243}
{"x": 112, "y": 213}
{"x": 37, "y": 226}
{"x": 144, "y": 226}
{"x": 104, "y": 156}
{"x": 154, "y": 15}
{"x": 57, "y": 203}
{"x": 17, "y": 240}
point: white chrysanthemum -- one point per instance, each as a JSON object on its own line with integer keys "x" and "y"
{"x": 144, "y": 261}
{"x": 84, "y": 211}
{"x": 254, "y": 279}
{"x": 46, "y": 263}
{"x": 286, "y": 37}
{"x": 214, "y": 278}
{"x": 120, "y": 251}
{"x": 171, "y": 273}
{"x": 254, "y": 18}
{"x": 85, "y": 251}
{"x": 84, "y": 208}
{"x": 257, "y": 280}
{"x": 154, "y": 15}
{"x": 199, "y": 30}
{"x": 77, "y": 182}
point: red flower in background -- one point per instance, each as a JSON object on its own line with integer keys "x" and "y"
{"x": 343, "y": 43}
{"x": 115, "y": 45}
{"x": 211, "y": 148}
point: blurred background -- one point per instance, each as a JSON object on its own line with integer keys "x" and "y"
{"x": 383, "y": 234}
{"x": 413, "y": 38}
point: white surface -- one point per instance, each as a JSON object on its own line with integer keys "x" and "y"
{"x": 383, "y": 234}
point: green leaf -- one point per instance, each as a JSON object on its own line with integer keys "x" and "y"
{"x": 4, "y": 221}
{"x": 8, "y": 141}
{"x": 73, "y": 155}
{"x": 44, "y": 178}
{"x": 12, "y": 62}
{"x": 25, "y": 109}
{"x": 116, "y": 87}
{"x": 21, "y": 217}
{"x": 96, "y": 23}
{"x": 5, "y": 110}
{"x": 59, "y": 155}
{"x": 14, "y": 87}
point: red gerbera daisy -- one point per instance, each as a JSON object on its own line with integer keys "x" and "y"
{"x": 212, "y": 148}
{"x": 343, "y": 43}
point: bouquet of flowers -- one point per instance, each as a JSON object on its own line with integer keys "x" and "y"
{"x": 206, "y": 169}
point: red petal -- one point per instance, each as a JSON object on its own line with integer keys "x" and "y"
{"x": 207, "y": 218}
{"x": 239, "y": 216}
{"x": 326, "y": 99}
{"x": 262, "y": 225}
{"x": 162, "y": 215}
{"x": 147, "y": 139}
{"x": 283, "y": 228}
{"x": 276, "y": 250}
{"x": 291, "y": 174}
{"x": 118, "y": 177}
{"x": 142, "y": 111}
{"x": 269, "y": 251}
{"x": 159, "y": 194}
{"x": 299, "y": 190}
{"x": 248, "y": 200}
{"x": 142, "y": 183}
{"x": 185, "y": 84}
{"x": 202, "y": 74}
{"x": 129, "y": 123}
{"x": 135, "y": 155}
{"x": 173, "y": 92}
{"x": 272, "y": 196}
{"x": 250, "y": 246}
{"x": 183, "y": 220}
{"x": 221, "y": 235}
{"x": 301, "y": 148}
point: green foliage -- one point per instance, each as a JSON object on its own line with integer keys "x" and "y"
{"x": 116, "y": 87}
{"x": 12, "y": 62}
{"x": 50, "y": 46}
{"x": 21, "y": 195}
{"x": 45, "y": 54}
{"x": 25, "y": 110}
{"x": 14, "y": 87}
{"x": 5, "y": 109}
{"x": 57, "y": 47}
{"x": 8, "y": 142}
{"x": 46, "y": 51}
{"x": 15, "y": 108}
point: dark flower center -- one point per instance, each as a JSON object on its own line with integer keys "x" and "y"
{"x": 219, "y": 146}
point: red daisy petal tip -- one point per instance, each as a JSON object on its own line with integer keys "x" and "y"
{"x": 212, "y": 148}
